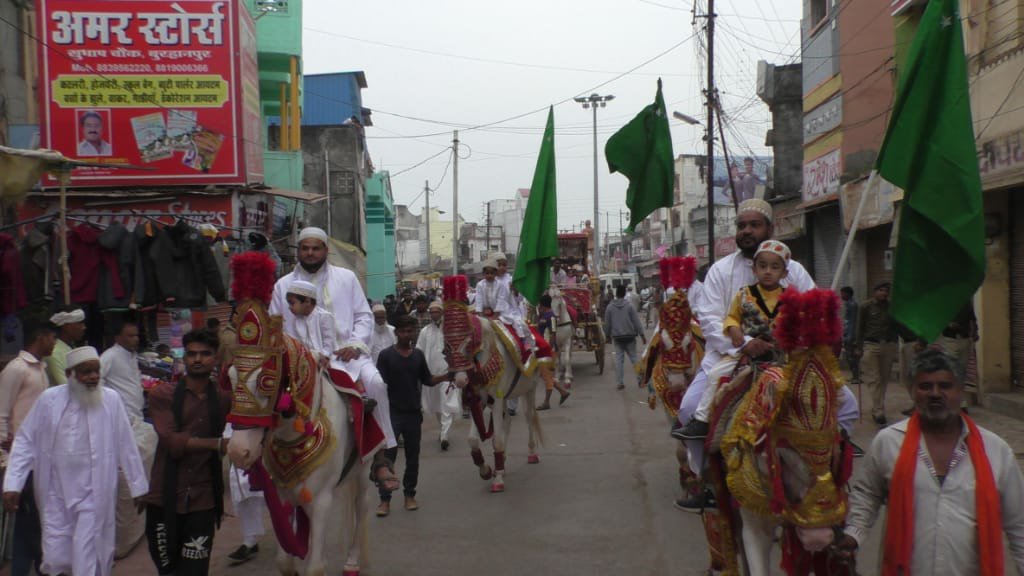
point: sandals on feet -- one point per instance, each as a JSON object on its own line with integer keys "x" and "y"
{"x": 564, "y": 398}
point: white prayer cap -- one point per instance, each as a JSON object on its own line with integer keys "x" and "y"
{"x": 756, "y": 205}
{"x": 379, "y": 308}
{"x": 302, "y": 288}
{"x": 78, "y": 355}
{"x": 500, "y": 256}
{"x": 62, "y": 318}
{"x": 208, "y": 230}
{"x": 491, "y": 262}
{"x": 313, "y": 232}
{"x": 436, "y": 304}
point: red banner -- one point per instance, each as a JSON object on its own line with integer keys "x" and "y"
{"x": 194, "y": 209}
{"x": 170, "y": 85}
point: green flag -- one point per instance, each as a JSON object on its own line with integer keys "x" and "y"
{"x": 642, "y": 152}
{"x": 538, "y": 242}
{"x": 929, "y": 151}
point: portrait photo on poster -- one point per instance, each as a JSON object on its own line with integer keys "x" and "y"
{"x": 93, "y": 132}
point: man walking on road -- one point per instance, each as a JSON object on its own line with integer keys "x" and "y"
{"x": 850, "y": 315}
{"x": 877, "y": 342}
{"x": 622, "y": 326}
{"x": 21, "y": 383}
{"x": 119, "y": 371}
{"x": 953, "y": 489}
{"x": 70, "y": 330}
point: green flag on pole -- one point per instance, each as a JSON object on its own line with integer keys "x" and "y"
{"x": 538, "y": 242}
{"x": 929, "y": 151}
{"x": 642, "y": 152}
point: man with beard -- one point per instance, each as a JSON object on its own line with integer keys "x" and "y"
{"x": 73, "y": 440}
{"x": 70, "y": 331}
{"x": 186, "y": 500}
{"x": 724, "y": 279}
{"x": 952, "y": 488}
{"x": 119, "y": 371}
{"x": 383, "y": 335}
{"x": 441, "y": 400}
{"x": 339, "y": 292}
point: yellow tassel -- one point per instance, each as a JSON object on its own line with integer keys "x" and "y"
{"x": 298, "y": 425}
{"x": 305, "y": 496}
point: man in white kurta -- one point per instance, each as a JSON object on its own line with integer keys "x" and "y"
{"x": 383, "y": 334}
{"x": 338, "y": 292}
{"x": 74, "y": 439}
{"x": 441, "y": 400}
{"x": 723, "y": 281}
{"x": 119, "y": 371}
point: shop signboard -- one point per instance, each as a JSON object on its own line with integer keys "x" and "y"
{"x": 104, "y": 211}
{"x": 821, "y": 177}
{"x": 167, "y": 85}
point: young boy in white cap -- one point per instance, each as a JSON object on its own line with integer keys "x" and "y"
{"x": 314, "y": 327}
{"x": 751, "y": 317}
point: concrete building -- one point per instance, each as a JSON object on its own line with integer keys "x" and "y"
{"x": 994, "y": 37}
{"x": 508, "y": 214}
{"x": 19, "y": 101}
{"x": 438, "y": 252}
{"x": 408, "y": 254}
{"x": 335, "y": 160}
{"x": 848, "y": 83}
{"x": 380, "y": 237}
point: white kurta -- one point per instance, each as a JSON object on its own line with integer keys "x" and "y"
{"x": 381, "y": 338}
{"x": 443, "y": 398}
{"x": 76, "y": 476}
{"x": 339, "y": 292}
{"x": 316, "y": 332}
{"x": 119, "y": 371}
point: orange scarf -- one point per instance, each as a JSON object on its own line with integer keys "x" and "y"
{"x": 899, "y": 532}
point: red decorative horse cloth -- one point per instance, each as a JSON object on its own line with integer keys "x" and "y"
{"x": 368, "y": 434}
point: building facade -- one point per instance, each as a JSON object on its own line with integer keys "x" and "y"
{"x": 380, "y": 237}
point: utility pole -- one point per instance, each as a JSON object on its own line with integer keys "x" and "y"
{"x": 455, "y": 203}
{"x": 594, "y": 101}
{"x": 327, "y": 190}
{"x": 710, "y": 134}
{"x": 487, "y": 241}
{"x": 426, "y": 214}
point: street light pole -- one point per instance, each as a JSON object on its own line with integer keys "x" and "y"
{"x": 593, "y": 101}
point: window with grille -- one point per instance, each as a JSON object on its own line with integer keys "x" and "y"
{"x": 279, "y": 6}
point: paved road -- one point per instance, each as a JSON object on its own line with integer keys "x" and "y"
{"x": 599, "y": 503}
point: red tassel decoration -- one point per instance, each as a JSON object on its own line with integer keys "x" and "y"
{"x": 285, "y": 404}
{"x": 455, "y": 288}
{"x": 687, "y": 272}
{"x": 807, "y": 320}
{"x": 254, "y": 276}
{"x": 665, "y": 267}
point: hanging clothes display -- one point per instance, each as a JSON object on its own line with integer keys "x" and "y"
{"x": 119, "y": 241}
{"x": 37, "y": 264}
{"x": 12, "y": 285}
{"x": 89, "y": 260}
{"x": 185, "y": 268}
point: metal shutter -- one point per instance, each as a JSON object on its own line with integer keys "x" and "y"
{"x": 1017, "y": 288}
{"x": 827, "y": 243}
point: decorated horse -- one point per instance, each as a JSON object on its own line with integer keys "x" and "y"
{"x": 490, "y": 369}
{"x": 295, "y": 432}
{"x": 562, "y": 338}
{"x": 776, "y": 451}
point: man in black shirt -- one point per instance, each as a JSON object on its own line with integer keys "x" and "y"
{"x": 404, "y": 369}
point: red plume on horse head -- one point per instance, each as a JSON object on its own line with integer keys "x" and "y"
{"x": 678, "y": 272}
{"x": 808, "y": 319}
{"x": 455, "y": 288}
{"x": 253, "y": 274}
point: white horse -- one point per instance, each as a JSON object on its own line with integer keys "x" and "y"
{"x": 340, "y": 480}
{"x": 562, "y": 338}
{"x": 487, "y": 371}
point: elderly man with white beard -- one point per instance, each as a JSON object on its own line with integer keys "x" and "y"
{"x": 74, "y": 439}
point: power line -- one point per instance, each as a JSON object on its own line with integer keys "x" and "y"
{"x": 421, "y": 162}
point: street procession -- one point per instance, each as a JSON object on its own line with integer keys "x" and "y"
{"x": 286, "y": 289}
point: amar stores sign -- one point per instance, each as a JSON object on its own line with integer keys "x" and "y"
{"x": 172, "y": 86}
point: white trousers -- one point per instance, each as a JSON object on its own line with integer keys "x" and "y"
{"x": 722, "y": 369}
{"x": 250, "y": 514}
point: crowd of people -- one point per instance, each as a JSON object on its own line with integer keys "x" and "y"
{"x": 95, "y": 462}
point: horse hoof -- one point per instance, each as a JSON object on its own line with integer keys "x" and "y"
{"x": 533, "y": 459}
{"x": 495, "y": 488}
{"x": 486, "y": 473}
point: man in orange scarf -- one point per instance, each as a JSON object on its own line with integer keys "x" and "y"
{"x": 953, "y": 489}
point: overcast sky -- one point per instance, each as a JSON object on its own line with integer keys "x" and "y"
{"x": 450, "y": 63}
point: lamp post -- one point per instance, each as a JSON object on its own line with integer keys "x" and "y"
{"x": 709, "y": 177}
{"x": 594, "y": 101}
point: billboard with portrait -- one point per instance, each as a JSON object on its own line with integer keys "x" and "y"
{"x": 749, "y": 178}
{"x": 169, "y": 85}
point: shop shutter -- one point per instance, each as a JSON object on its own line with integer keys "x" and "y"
{"x": 827, "y": 243}
{"x": 1017, "y": 288}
